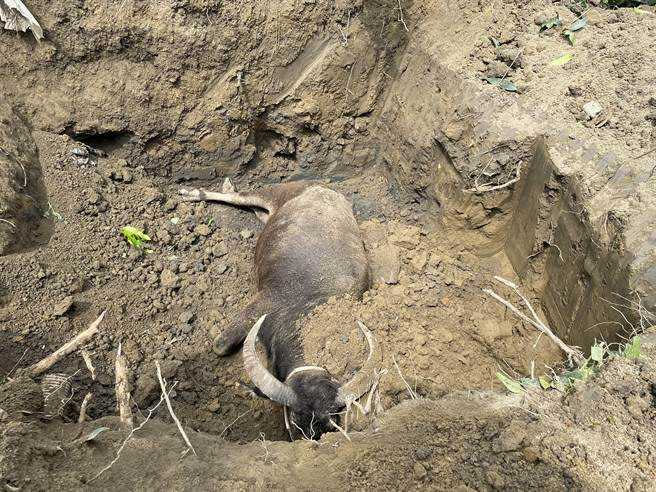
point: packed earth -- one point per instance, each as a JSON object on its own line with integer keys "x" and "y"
{"x": 499, "y": 158}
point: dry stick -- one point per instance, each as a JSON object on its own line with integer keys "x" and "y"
{"x": 574, "y": 354}
{"x": 87, "y": 360}
{"x": 64, "y": 350}
{"x": 122, "y": 391}
{"x": 413, "y": 395}
{"x": 83, "y": 408}
{"x": 162, "y": 384}
{"x": 8, "y": 222}
{"x": 134, "y": 429}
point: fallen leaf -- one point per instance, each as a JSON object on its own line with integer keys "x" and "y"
{"x": 561, "y": 60}
{"x": 578, "y": 24}
{"x": 505, "y": 84}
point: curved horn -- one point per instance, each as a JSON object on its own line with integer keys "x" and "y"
{"x": 263, "y": 379}
{"x": 364, "y": 378}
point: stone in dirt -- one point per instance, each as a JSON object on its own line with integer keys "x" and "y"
{"x": 385, "y": 264}
{"x": 169, "y": 280}
{"x": 62, "y": 307}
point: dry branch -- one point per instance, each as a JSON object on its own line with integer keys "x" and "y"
{"x": 574, "y": 353}
{"x": 83, "y": 408}
{"x": 122, "y": 391}
{"x": 87, "y": 360}
{"x": 64, "y": 350}
{"x": 162, "y": 384}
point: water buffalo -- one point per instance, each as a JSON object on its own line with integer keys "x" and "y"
{"x": 309, "y": 250}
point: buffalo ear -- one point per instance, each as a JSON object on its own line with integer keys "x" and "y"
{"x": 253, "y": 390}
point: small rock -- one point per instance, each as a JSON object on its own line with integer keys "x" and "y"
{"x": 246, "y": 233}
{"x": 407, "y": 238}
{"x": 203, "y": 230}
{"x": 186, "y": 328}
{"x": 344, "y": 339}
{"x": 423, "y": 453}
{"x": 151, "y": 195}
{"x": 220, "y": 250}
{"x": 214, "y": 405}
{"x": 170, "y": 205}
{"x": 221, "y": 268}
{"x": 496, "y": 69}
{"x": 169, "y": 280}
{"x": 63, "y": 307}
{"x": 419, "y": 471}
{"x": 592, "y": 109}
{"x": 542, "y": 18}
{"x": 419, "y": 260}
{"x": 186, "y": 317}
{"x": 575, "y": 91}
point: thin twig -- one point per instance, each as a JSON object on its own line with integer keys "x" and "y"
{"x": 16, "y": 365}
{"x": 401, "y": 17}
{"x": 413, "y": 395}
{"x": 8, "y": 222}
{"x": 45, "y": 364}
{"x": 162, "y": 384}
{"x": 122, "y": 388}
{"x": 226, "y": 427}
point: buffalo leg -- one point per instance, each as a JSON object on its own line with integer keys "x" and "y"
{"x": 233, "y": 336}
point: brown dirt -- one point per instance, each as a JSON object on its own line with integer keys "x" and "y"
{"x": 192, "y": 91}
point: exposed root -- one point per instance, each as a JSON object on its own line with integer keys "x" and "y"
{"x": 64, "y": 350}
{"x": 334, "y": 424}
{"x": 132, "y": 431}
{"x": 162, "y": 384}
{"x": 574, "y": 353}
{"x": 83, "y": 408}
{"x": 122, "y": 391}
{"x": 413, "y": 395}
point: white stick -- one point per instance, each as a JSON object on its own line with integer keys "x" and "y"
{"x": 536, "y": 322}
{"x": 83, "y": 408}
{"x": 162, "y": 384}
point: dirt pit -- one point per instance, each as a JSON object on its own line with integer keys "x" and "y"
{"x": 263, "y": 94}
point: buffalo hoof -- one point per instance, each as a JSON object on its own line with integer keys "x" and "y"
{"x": 222, "y": 347}
{"x": 192, "y": 195}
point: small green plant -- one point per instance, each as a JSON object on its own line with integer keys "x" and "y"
{"x": 134, "y": 236}
{"x": 566, "y": 381}
{"x": 51, "y": 213}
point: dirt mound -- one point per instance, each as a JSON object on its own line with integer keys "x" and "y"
{"x": 599, "y": 436}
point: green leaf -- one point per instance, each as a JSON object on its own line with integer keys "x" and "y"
{"x": 632, "y": 350}
{"x": 597, "y": 353}
{"x": 95, "y": 433}
{"x": 550, "y": 23}
{"x": 545, "y": 382}
{"x": 579, "y": 24}
{"x": 529, "y": 383}
{"x": 505, "y": 84}
{"x": 510, "y": 384}
{"x": 569, "y": 35}
{"x": 561, "y": 60}
{"x": 134, "y": 236}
